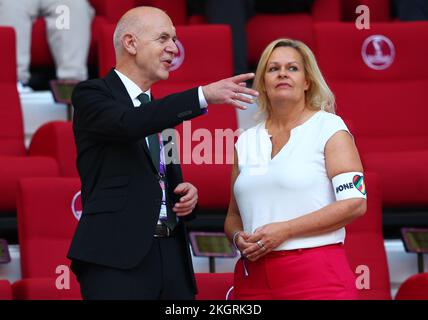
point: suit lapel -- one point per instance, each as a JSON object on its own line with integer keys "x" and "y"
{"x": 119, "y": 92}
{"x": 118, "y": 89}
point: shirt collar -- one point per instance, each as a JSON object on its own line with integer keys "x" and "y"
{"x": 131, "y": 87}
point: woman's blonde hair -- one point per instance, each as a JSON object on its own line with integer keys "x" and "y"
{"x": 318, "y": 96}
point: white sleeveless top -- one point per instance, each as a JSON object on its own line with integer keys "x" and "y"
{"x": 293, "y": 183}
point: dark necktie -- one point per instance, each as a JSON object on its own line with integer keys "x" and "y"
{"x": 155, "y": 150}
{"x": 153, "y": 139}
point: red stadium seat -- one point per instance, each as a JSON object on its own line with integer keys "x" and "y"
{"x": 197, "y": 19}
{"x": 107, "y": 59}
{"x": 55, "y": 139}
{"x": 214, "y": 286}
{"x": 44, "y": 289}
{"x": 326, "y": 10}
{"x": 265, "y": 28}
{"x": 12, "y": 133}
{"x": 414, "y": 288}
{"x": 46, "y": 224}
{"x": 14, "y": 162}
{"x": 380, "y": 10}
{"x": 348, "y": 9}
{"x": 207, "y": 47}
{"x": 5, "y": 290}
{"x": 111, "y": 10}
{"x": 208, "y": 57}
{"x": 175, "y": 9}
{"x": 386, "y": 107}
{"x": 364, "y": 245}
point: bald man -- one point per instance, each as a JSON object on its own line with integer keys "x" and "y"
{"x": 130, "y": 242}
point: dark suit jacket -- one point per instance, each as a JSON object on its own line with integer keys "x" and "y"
{"x": 121, "y": 195}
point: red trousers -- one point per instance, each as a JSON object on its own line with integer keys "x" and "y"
{"x": 320, "y": 273}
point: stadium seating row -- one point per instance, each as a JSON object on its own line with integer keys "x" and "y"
{"x": 261, "y": 29}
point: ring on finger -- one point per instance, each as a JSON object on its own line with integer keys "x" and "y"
{"x": 260, "y": 244}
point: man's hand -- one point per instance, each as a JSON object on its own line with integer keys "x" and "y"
{"x": 188, "y": 200}
{"x": 230, "y": 91}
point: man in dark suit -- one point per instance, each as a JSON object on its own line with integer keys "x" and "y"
{"x": 130, "y": 242}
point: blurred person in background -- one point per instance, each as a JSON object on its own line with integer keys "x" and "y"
{"x": 69, "y": 44}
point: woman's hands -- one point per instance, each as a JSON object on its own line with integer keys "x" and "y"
{"x": 263, "y": 240}
{"x": 240, "y": 241}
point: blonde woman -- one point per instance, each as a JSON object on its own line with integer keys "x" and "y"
{"x": 297, "y": 181}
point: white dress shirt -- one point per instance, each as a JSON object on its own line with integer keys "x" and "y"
{"x": 134, "y": 91}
